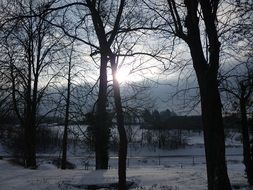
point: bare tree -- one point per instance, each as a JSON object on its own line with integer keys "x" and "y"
{"x": 236, "y": 79}
{"x": 239, "y": 89}
{"x": 97, "y": 9}
{"x": 106, "y": 23}
{"x": 66, "y": 119}
{"x": 188, "y": 20}
{"x": 31, "y": 48}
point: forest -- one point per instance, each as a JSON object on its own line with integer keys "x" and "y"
{"x": 84, "y": 76}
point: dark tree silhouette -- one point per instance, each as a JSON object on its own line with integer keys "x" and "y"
{"x": 185, "y": 20}
{"x": 29, "y": 45}
{"x": 238, "y": 85}
{"x": 66, "y": 119}
{"x": 237, "y": 79}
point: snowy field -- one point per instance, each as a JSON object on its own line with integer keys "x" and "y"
{"x": 148, "y": 167}
{"x": 48, "y": 177}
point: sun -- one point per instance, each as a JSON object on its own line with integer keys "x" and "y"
{"x": 125, "y": 75}
{"x": 122, "y": 76}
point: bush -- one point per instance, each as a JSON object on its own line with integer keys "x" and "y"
{"x": 12, "y": 138}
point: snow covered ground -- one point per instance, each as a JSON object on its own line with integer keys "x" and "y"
{"x": 48, "y": 177}
{"x": 149, "y": 167}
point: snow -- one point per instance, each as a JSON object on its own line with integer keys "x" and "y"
{"x": 159, "y": 177}
{"x": 46, "y": 166}
{"x": 149, "y": 167}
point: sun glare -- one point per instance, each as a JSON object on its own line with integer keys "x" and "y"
{"x": 122, "y": 76}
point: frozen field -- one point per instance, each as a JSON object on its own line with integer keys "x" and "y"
{"x": 48, "y": 177}
{"x": 148, "y": 167}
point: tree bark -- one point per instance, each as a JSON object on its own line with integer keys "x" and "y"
{"x": 66, "y": 121}
{"x": 102, "y": 119}
{"x": 247, "y": 159}
{"x": 64, "y": 146}
{"x": 210, "y": 98}
{"x": 122, "y": 154}
{"x": 29, "y": 121}
{"x": 101, "y": 122}
{"x": 213, "y": 134}
{"x": 30, "y": 143}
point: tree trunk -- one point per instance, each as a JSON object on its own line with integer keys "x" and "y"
{"x": 66, "y": 122}
{"x": 64, "y": 146}
{"x": 122, "y": 154}
{"x": 213, "y": 135}
{"x": 30, "y": 134}
{"x": 247, "y": 159}
{"x": 29, "y": 117}
{"x": 102, "y": 121}
{"x": 30, "y": 142}
{"x": 206, "y": 71}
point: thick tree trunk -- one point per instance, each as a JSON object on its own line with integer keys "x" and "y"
{"x": 122, "y": 154}
{"x": 30, "y": 143}
{"x": 102, "y": 121}
{"x": 29, "y": 121}
{"x": 213, "y": 135}
{"x": 214, "y": 138}
{"x": 247, "y": 159}
{"x": 206, "y": 72}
